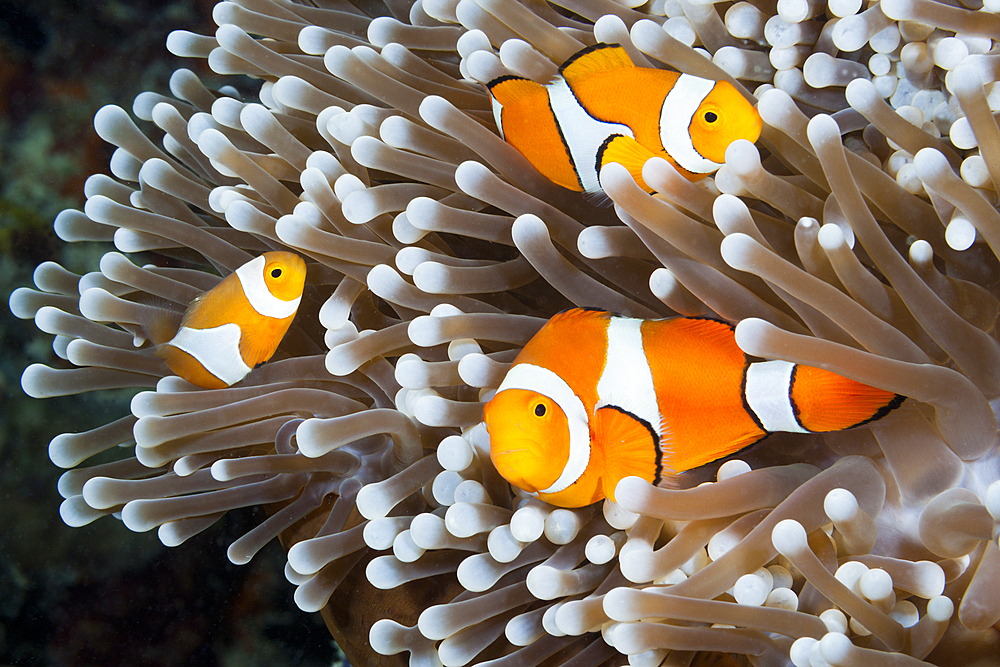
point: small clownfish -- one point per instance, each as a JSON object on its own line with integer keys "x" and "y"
{"x": 594, "y": 398}
{"x": 237, "y": 325}
{"x": 601, "y": 108}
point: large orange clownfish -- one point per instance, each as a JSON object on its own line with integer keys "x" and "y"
{"x": 601, "y": 108}
{"x": 237, "y": 325}
{"x": 594, "y": 398}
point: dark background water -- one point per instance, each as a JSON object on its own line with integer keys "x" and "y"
{"x": 102, "y": 595}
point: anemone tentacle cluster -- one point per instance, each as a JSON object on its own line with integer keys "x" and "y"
{"x": 861, "y": 235}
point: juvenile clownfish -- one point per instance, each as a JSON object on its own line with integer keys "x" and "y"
{"x": 650, "y": 398}
{"x": 601, "y": 108}
{"x": 237, "y": 325}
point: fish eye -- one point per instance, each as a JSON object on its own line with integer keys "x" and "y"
{"x": 711, "y": 117}
{"x": 275, "y": 273}
{"x": 539, "y": 409}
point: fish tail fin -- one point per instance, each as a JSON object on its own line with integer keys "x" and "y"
{"x": 159, "y": 321}
{"x": 509, "y": 88}
{"x": 516, "y": 92}
{"x": 826, "y": 401}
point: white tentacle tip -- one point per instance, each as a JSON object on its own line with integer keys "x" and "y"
{"x": 789, "y": 538}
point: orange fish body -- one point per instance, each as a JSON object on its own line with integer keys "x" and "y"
{"x": 601, "y": 108}
{"x": 237, "y": 325}
{"x": 650, "y": 398}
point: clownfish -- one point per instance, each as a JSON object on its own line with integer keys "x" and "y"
{"x": 594, "y": 398}
{"x": 601, "y": 108}
{"x": 237, "y": 325}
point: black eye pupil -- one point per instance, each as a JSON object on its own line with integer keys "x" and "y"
{"x": 711, "y": 117}
{"x": 275, "y": 273}
{"x": 539, "y": 410}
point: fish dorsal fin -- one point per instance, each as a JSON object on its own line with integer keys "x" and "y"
{"x": 630, "y": 446}
{"x": 711, "y": 331}
{"x": 509, "y": 89}
{"x": 593, "y": 59}
{"x": 580, "y": 315}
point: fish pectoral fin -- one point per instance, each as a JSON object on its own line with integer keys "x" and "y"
{"x": 256, "y": 349}
{"x": 593, "y": 59}
{"x": 509, "y": 89}
{"x": 627, "y": 152}
{"x": 631, "y": 447}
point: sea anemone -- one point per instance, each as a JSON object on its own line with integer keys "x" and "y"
{"x": 860, "y": 235}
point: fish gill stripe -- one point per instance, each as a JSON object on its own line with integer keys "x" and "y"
{"x": 679, "y": 108}
{"x": 547, "y": 383}
{"x": 251, "y": 277}
{"x": 768, "y": 392}
{"x": 586, "y": 135}
{"x": 216, "y": 349}
{"x": 627, "y": 380}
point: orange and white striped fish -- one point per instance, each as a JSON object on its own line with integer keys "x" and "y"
{"x": 594, "y": 398}
{"x": 237, "y": 325}
{"x": 601, "y": 108}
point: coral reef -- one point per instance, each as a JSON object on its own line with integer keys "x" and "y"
{"x": 860, "y": 236}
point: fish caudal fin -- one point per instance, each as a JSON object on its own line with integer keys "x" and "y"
{"x": 158, "y": 321}
{"x": 593, "y": 59}
{"x": 526, "y": 121}
{"x": 631, "y": 447}
{"x": 826, "y": 401}
{"x": 509, "y": 89}
{"x": 627, "y": 152}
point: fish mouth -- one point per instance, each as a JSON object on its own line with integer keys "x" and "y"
{"x": 506, "y": 461}
{"x": 505, "y": 452}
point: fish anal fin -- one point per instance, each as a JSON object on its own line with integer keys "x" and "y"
{"x": 630, "y": 447}
{"x": 508, "y": 90}
{"x": 594, "y": 59}
{"x": 627, "y": 152}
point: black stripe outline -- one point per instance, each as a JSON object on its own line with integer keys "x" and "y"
{"x": 883, "y": 411}
{"x": 599, "y": 158}
{"x": 506, "y": 77}
{"x": 791, "y": 402}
